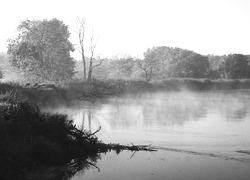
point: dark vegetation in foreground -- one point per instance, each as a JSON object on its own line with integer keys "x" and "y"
{"x": 49, "y": 94}
{"x": 31, "y": 141}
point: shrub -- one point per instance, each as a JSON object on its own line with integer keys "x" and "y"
{"x": 30, "y": 138}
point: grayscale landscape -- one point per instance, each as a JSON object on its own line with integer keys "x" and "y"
{"x": 116, "y": 89}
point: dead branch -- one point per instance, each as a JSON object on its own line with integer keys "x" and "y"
{"x": 94, "y": 132}
{"x": 100, "y": 62}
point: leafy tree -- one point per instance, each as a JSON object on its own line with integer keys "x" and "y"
{"x": 194, "y": 66}
{"x": 42, "y": 49}
{"x": 214, "y": 62}
{"x": 1, "y": 62}
{"x": 150, "y": 64}
{"x": 123, "y": 68}
{"x": 1, "y": 74}
{"x": 177, "y": 64}
{"x": 156, "y": 62}
{"x": 147, "y": 68}
{"x": 214, "y": 66}
{"x": 234, "y": 66}
{"x": 163, "y": 62}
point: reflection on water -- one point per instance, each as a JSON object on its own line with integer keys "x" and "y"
{"x": 206, "y": 123}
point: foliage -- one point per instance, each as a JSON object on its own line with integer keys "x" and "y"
{"x": 214, "y": 62}
{"x": 235, "y": 66}
{"x": 9, "y": 86}
{"x": 2, "y": 58}
{"x": 164, "y": 62}
{"x": 194, "y": 66}
{"x": 123, "y": 68}
{"x": 1, "y": 74}
{"x": 30, "y": 138}
{"x": 42, "y": 49}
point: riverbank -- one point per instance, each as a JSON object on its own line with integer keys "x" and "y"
{"x": 31, "y": 140}
{"x": 49, "y": 94}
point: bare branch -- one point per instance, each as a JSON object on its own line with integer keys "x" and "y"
{"x": 94, "y": 132}
{"x": 81, "y": 33}
{"x": 92, "y": 47}
{"x": 100, "y": 62}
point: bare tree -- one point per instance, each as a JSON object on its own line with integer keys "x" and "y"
{"x": 148, "y": 70}
{"x": 92, "y": 59}
{"x": 81, "y": 36}
{"x": 81, "y": 33}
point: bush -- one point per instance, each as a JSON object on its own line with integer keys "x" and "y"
{"x": 30, "y": 138}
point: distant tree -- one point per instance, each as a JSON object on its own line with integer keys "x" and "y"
{"x": 194, "y": 66}
{"x": 234, "y": 66}
{"x": 1, "y": 62}
{"x": 214, "y": 66}
{"x": 42, "y": 49}
{"x": 157, "y": 60}
{"x": 214, "y": 62}
{"x": 178, "y": 58}
{"x": 164, "y": 61}
{"x": 1, "y": 73}
{"x": 150, "y": 64}
{"x": 123, "y": 68}
{"x": 147, "y": 69}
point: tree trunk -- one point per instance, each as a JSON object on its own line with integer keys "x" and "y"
{"x": 90, "y": 70}
{"x": 84, "y": 66}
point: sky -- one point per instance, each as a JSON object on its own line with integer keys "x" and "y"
{"x": 129, "y": 27}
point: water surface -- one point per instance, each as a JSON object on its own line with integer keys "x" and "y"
{"x": 199, "y": 135}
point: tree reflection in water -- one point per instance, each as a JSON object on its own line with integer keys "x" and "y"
{"x": 65, "y": 172}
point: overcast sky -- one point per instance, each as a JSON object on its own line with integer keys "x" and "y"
{"x": 131, "y": 26}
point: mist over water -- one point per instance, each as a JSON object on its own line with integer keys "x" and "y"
{"x": 209, "y": 130}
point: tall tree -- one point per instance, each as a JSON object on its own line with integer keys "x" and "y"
{"x": 150, "y": 64}
{"x": 42, "y": 49}
{"x": 2, "y": 59}
{"x": 123, "y": 68}
{"x": 234, "y": 66}
{"x": 81, "y": 37}
{"x": 193, "y": 66}
{"x": 93, "y": 62}
{"x": 163, "y": 61}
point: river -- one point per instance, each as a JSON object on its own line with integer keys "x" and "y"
{"x": 199, "y": 135}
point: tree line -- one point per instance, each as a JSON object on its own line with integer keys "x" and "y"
{"x": 164, "y": 62}
{"x": 42, "y": 50}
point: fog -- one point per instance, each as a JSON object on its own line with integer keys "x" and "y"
{"x": 212, "y": 126}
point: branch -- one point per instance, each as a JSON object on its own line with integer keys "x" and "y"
{"x": 94, "y": 132}
{"x": 98, "y": 64}
{"x": 92, "y": 48}
{"x": 93, "y": 165}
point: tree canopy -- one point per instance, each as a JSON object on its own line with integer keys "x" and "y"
{"x": 234, "y": 66}
{"x": 194, "y": 66}
{"x": 42, "y": 49}
{"x": 1, "y": 62}
{"x": 165, "y": 62}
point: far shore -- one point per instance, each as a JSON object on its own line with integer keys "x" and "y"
{"x": 77, "y": 90}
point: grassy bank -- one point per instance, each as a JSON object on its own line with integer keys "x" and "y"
{"x": 77, "y": 89}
